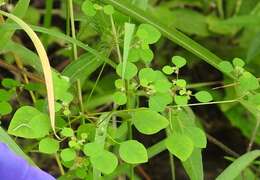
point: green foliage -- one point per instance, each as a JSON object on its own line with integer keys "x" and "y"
{"x": 133, "y": 152}
{"x": 149, "y": 122}
{"x": 30, "y": 123}
{"x": 49, "y": 146}
{"x": 125, "y": 76}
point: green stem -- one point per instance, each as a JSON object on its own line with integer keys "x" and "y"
{"x": 220, "y": 8}
{"x": 75, "y": 50}
{"x": 59, "y": 164}
{"x": 47, "y": 18}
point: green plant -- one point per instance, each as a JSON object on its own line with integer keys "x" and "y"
{"x": 120, "y": 83}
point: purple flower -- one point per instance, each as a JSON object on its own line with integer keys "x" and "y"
{"x": 13, "y": 167}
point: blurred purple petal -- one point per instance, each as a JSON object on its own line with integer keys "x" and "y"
{"x": 13, "y": 167}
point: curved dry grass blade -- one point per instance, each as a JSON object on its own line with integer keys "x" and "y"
{"x": 45, "y": 65}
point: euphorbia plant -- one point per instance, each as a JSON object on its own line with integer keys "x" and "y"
{"x": 95, "y": 120}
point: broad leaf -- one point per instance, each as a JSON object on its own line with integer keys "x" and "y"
{"x": 180, "y": 145}
{"x": 133, "y": 152}
{"x": 149, "y": 122}
{"x": 29, "y": 122}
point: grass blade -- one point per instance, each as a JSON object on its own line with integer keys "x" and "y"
{"x": 233, "y": 170}
{"x": 129, "y": 31}
{"x": 45, "y": 65}
{"x": 69, "y": 39}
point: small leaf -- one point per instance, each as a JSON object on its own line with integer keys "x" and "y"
{"x": 67, "y": 132}
{"x": 120, "y": 98}
{"x": 180, "y": 145}
{"x": 179, "y": 61}
{"x": 5, "y": 95}
{"x": 109, "y": 10}
{"x": 49, "y": 145}
{"x": 238, "y": 62}
{"x": 133, "y": 152}
{"x": 5, "y": 108}
{"x": 130, "y": 70}
{"x": 146, "y": 55}
{"x": 147, "y": 75}
{"x": 106, "y": 162}
{"x": 168, "y": 70}
{"x": 248, "y": 82}
{"x": 148, "y": 33}
{"x": 181, "y": 83}
{"x": 226, "y": 66}
{"x": 10, "y": 83}
{"x": 88, "y": 8}
{"x": 149, "y": 122}
{"x": 30, "y": 123}
{"x": 203, "y": 96}
{"x": 68, "y": 154}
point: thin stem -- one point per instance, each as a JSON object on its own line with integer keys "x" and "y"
{"x": 59, "y": 164}
{"x": 251, "y": 142}
{"x": 171, "y": 159}
{"x": 220, "y": 8}
{"x": 47, "y": 18}
{"x": 222, "y": 146}
{"x": 75, "y": 50}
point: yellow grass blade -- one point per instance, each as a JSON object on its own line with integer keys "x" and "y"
{"x": 45, "y": 65}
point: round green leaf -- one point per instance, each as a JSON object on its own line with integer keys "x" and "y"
{"x": 146, "y": 55}
{"x": 120, "y": 98}
{"x": 130, "y": 70}
{"x": 68, "y": 154}
{"x": 106, "y": 162}
{"x": 168, "y": 70}
{"x": 88, "y": 8}
{"x": 238, "y": 62}
{"x": 203, "y": 96}
{"x": 180, "y": 145}
{"x": 133, "y": 152}
{"x": 179, "y": 61}
{"x": 5, "y": 95}
{"x": 109, "y": 10}
{"x": 10, "y": 83}
{"x": 226, "y": 66}
{"x": 5, "y": 108}
{"x": 147, "y": 74}
{"x": 149, "y": 122}
{"x": 248, "y": 82}
{"x": 67, "y": 132}
{"x": 148, "y": 33}
{"x": 28, "y": 122}
{"x": 181, "y": 83}
{"x": 49, "y": 145}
